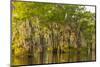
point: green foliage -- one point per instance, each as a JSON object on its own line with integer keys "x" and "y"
{"x": 58, "y": 27}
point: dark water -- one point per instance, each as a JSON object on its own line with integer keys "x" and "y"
{"x": 50, "y": 57}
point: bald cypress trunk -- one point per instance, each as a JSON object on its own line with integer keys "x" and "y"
{"x": 69, "y": 46}
{"x": 42, "y": 47}
{"x": 78, "y": 45}
{"x": 29, "y": 41}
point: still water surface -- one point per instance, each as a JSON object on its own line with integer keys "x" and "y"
{"x": 39, "y": 58}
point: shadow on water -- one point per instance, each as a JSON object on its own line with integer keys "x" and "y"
{"x": 49, "y": 57}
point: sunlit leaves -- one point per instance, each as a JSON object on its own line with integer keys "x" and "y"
{"x": 42, "y": 27}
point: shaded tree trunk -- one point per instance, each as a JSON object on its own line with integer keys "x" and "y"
{"x": 78, "y": 45}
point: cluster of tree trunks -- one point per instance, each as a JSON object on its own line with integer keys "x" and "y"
{"x": 55, "y": 38}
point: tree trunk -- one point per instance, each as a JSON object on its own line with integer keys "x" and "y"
{"x": 78, "y": 45}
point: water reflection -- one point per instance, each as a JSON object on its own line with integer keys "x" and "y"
{"x": 49, "y": 57}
